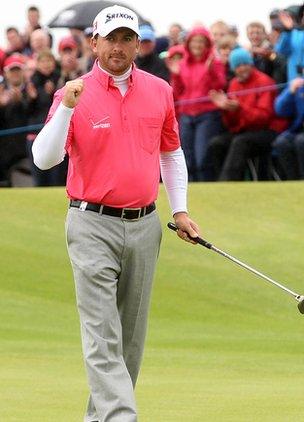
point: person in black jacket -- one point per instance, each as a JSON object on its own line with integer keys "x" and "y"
{"x": 13, "y": 106}
{"x": 42, "y": 86}
{"x": 147, "y": 58}
{"x": 264, "y": 57}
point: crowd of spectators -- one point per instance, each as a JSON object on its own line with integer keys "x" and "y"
{"x": 237, "y": 106}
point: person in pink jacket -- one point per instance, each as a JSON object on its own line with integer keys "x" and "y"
{"x": 198, "y": 72}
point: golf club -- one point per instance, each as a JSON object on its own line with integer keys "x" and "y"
{"x": 299, "y": 298}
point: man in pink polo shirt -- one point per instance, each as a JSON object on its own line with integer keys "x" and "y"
{"x": 117, "y": 125}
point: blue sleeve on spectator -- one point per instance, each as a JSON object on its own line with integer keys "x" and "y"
{"x": 283, "y": 46}
{"x": 285, "y": 104}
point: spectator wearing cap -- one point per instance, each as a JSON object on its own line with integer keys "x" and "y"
{"x": 264, "y": 57}
{"x": 291, "y": 41}
{"x": 41, "y": 88}
{"x": 250, "y": 121}
{"x": 69, "y": 63}
{"x": 78, "y": 35}
{"x": 193, "y": 77}
{"x": 147, "y": 59}
{"x": 288, "y": 147}
{"x": 67, "y": 43}
{"x": 13, "y": 113}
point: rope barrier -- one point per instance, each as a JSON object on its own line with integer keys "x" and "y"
{"x": 239, "y": 93}
{"x": 205, "y": 99}
{"x": 21, "y": 129}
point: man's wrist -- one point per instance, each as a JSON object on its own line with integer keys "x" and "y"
{"x": 179, "y": 213}
{"x": 66, "y": 106}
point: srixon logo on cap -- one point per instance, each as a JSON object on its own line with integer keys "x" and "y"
{"x": 111, "y": 16}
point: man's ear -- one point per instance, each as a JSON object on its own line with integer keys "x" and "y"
{"x": 137, "y": 44}
{"x": 94, "y": 44}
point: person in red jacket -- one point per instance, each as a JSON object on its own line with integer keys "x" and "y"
{"x": 248, "y": 114}
{"x": 192, "y": 78}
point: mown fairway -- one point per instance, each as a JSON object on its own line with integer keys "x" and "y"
{"x": 223, "y": 345}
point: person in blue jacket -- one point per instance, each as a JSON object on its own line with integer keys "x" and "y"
{"x": 291, "y": 43}
{"x": 288, "y": 147}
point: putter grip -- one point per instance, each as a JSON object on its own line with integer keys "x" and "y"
{"x": 197, "y": 239}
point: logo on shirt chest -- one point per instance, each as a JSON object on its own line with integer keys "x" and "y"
{"x": 102, "y": 123}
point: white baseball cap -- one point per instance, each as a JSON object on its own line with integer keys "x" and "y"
{"x": 114, "y": 17}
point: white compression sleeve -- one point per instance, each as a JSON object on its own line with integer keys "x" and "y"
{"x": 175, "y": 178}
{"x": 49, "y": 146}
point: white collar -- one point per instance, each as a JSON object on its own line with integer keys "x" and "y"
{"x": 118, "y": 78}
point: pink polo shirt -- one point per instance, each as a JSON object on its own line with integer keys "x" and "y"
{"x": 114, "y": 142}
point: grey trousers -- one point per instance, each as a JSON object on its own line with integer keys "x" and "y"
{"x": 113, "y": 262}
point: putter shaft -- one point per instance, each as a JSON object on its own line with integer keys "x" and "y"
{"x": 208, "y": 245}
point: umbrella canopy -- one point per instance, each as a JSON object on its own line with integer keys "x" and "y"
{"x": 81, "y": 15}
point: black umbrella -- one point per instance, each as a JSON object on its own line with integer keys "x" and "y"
{"x": 81, "y": 15}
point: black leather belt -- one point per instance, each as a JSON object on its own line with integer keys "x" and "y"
{"x": 124, "y": 213}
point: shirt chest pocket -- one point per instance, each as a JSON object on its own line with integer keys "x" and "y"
{"x": 150, "y": 133}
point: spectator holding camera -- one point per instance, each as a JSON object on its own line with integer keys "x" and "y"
{"x": 288, "y": 147}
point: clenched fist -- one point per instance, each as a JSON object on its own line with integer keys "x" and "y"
{"x": 72, "y": 92}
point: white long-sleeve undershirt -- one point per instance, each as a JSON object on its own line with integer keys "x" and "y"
{"x": 49, "y": 150}
{"x": 175, "y": 178}
{"x": 49, "y": 146}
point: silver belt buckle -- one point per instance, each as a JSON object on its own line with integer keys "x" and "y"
{"x": 83, "y": 206}
{"x": 131, "y": 209}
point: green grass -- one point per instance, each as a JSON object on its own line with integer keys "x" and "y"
{"x": 223, "y": 345}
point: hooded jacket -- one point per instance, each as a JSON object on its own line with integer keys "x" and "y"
{"x": 197, "y": 77}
